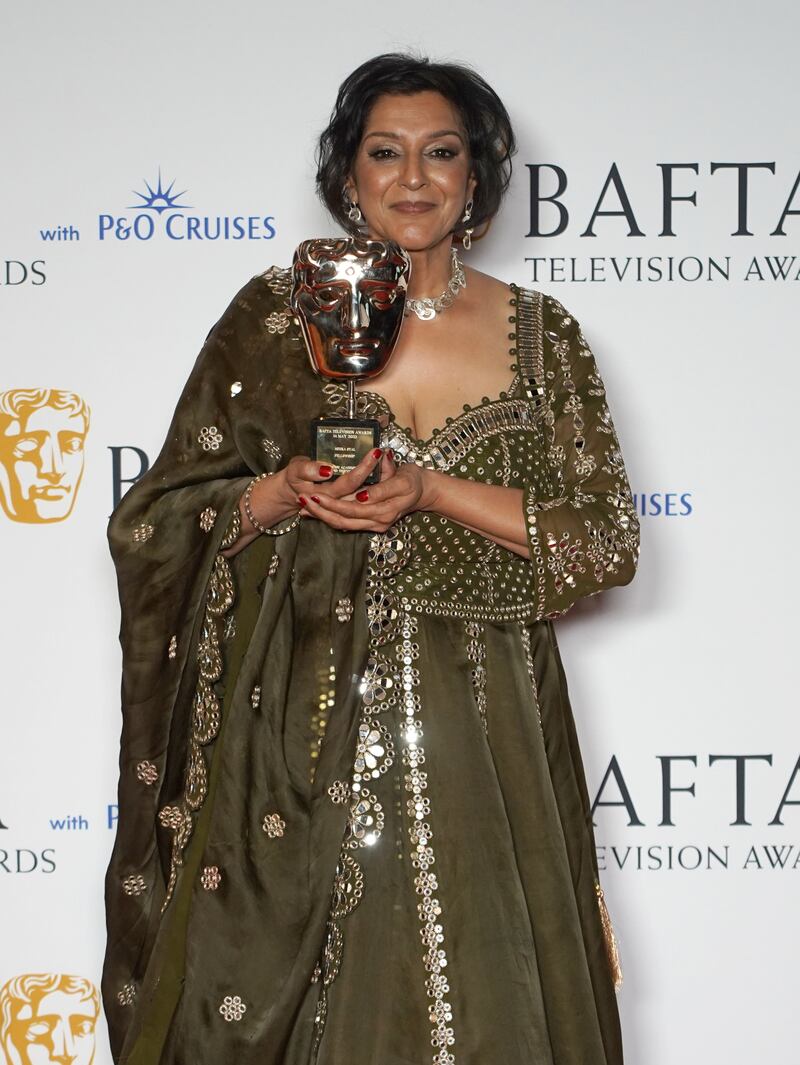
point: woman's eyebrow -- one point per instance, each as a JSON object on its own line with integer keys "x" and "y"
{"x": 429, "y": 136}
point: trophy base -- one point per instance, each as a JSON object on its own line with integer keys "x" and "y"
{"x": 343, "y": 442}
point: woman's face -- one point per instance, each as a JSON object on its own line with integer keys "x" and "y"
{"x": 412, "y": 173}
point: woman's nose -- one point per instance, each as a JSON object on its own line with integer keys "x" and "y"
{"x": 413, "y": 172}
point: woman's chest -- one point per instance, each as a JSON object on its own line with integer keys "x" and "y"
{"x": 433, "y": 377}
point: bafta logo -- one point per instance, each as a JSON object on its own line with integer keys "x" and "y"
{"x": 48, "y": 1017}
{"x": 42, "y": 435}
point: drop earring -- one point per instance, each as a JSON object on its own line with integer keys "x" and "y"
{"x": 466, "y": 240}
{"x": 353, "y": 210}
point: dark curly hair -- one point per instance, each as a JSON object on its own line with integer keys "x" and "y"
{"x": 490, "y": 137}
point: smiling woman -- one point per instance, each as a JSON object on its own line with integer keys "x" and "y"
{"x": 354, "y": 824}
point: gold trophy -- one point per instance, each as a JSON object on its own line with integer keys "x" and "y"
{"x": 349, "y": 294}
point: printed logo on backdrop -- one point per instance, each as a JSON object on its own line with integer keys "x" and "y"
{"x": 48, "y": 1017}
{"x": 14, "y": 273}
{"x": 678, "y": 790}
{"x": 663, "y": 504}
{"x": 666, "y": 207}
{"x": 42, "y": 438}
{"x": 22, "y": 861}
{"x": 158, "y": 211}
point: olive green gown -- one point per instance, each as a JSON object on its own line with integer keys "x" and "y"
{"x": 354, "y": 825}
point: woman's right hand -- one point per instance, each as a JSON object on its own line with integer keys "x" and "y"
{"x": 304, "y": 478}
{"x": 283, "y": 495}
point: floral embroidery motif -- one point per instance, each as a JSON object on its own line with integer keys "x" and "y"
{"x": 344, "y": 610}
{"x": 605, "y": 549}
{"x": 126, "y": 994}
{"x": 273, "y": 825}
{"x": 274, "y": 562}
{"x": 339, "y": 791}
{"x": 377, "y": 681}
{"x": 171, "y": 817}
{"x": 211, "y": 878}
{"x": 366, "y": 820}
{"x": 142, "y": 533}
{"x": 209, "y": 438}
{"x": 134, "y": 885}
{"x": 564, "y": 560}
{"x": 232, "y": 1008}
{"x": 207, "y": 519}
{"x": 172, "y": 649}
{"x": 271, "y": 449}
{"x": 146, "y": 772}
{"x": 382, "y": 616}
{"x": 277, "y": 322}
{"x": 374, "y": 751}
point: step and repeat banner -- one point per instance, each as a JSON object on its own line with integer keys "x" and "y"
{"x": 155, "y": 158}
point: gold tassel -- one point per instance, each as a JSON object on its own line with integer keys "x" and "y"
{"x": 612, "y": 947}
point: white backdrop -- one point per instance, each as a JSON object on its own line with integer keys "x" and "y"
{"x": 690, "y": 662}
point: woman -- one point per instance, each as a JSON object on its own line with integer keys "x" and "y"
{"x": 354, "y": 824}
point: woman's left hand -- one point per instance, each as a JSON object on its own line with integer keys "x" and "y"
{"x": 375, "y": 507}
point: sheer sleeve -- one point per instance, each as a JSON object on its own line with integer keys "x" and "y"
{"x": 583, "y": 535}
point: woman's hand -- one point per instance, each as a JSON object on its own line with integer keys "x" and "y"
{"x": 374, "y": 508}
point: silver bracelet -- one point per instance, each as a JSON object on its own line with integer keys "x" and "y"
{"x": 275, "y": 530}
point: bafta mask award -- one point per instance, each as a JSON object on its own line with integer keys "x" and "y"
{"x": 349, "y": 294}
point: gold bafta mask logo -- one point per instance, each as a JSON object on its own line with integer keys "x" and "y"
{"x": 48, "y": 1017}
{"x": 42, "y": 435}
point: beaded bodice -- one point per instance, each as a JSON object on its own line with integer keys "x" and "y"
{"x": 448, "y": 569}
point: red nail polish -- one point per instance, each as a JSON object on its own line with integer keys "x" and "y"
{"x": 389, "y": 453}
{"x": 302, "y": 501}
{"x": 376, "y": 454}
{"x": 315, "y": 498}
{"x": 325, "y": 471}
{"x": 362, "y": 496}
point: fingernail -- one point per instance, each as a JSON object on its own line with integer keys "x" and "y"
{"x": 362, "y": 496}
{"x": 315, "y": 498}
{"x": 302, "y": 501}
{"x": 389, "y": 453}
{"x": 376, "y": 454}
{"x": 325, "y": 471}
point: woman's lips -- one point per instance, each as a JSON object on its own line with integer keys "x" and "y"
{"x": 413, "y": 206}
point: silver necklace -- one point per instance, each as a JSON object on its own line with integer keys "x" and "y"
{"x": 428, "y": 307}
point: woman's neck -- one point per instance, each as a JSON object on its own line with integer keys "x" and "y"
{"x": 430, "y": 271}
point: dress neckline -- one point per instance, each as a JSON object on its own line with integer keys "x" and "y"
{"x": 468, "y": 408}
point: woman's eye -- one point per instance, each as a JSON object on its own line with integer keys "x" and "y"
{"x": 443, "y": 153}
{"x": 382, "y": 153}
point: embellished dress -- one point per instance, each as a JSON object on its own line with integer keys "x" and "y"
{"x": 354, "y": 825}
